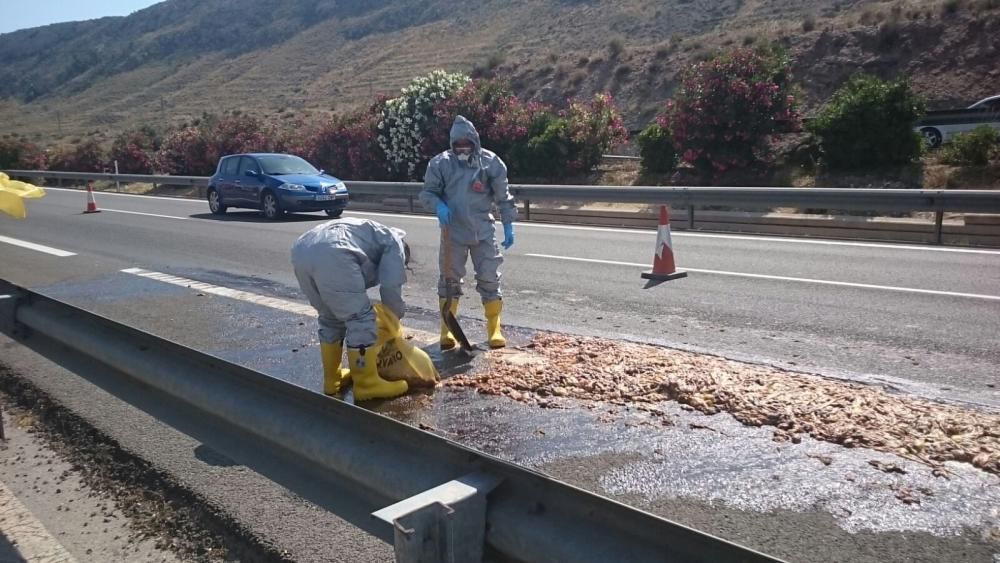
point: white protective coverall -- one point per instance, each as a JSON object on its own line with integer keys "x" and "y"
{"x": 336, "y": 262}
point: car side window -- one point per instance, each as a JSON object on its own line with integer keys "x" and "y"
{"x": 247, "y": 163}
{"x": 230, "y": 166}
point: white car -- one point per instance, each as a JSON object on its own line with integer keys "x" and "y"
{"x": 938, "y": 127}
{"x": 992, "y": 103}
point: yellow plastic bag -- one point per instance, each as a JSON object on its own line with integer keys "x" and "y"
{"x": 397, "y": 358}
{"x": 13, "y": 194}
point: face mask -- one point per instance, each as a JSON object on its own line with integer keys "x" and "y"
{"x": 462, "y": 153}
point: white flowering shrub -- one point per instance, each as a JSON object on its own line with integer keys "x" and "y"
{"x": 404, "y": 121}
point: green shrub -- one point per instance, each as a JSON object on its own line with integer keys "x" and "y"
{"x": 616, "y": 47}
{"x": 869, "y": 123}
{"x": 656, "y": 149}
{"x": 973, "y": 148}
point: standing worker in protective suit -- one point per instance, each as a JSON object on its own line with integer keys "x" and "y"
{"x": 336, "y": 263}
{"x": 462, "y": 185}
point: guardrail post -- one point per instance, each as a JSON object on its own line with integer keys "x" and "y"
{"x": 445, "y": 524}
{"x": 527, "y": 210}
{"x": 410, "y": 201}
{"x": 690, "y": 217}
{"x": 939, "y": 227}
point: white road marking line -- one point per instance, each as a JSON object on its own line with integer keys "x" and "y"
{"x": 645, "y": 232}
{"x": 257, "y": 299}
{"x": 28, "y": 536}
{"x": 686, "y": 234}
{"x": 145, "y": 214}
{"x": 781, "y": 278}
{"x": 272, "y": 302}
{"x": 37, "y": 247}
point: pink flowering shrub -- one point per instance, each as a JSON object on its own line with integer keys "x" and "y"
{"x": 347, "y": 147}
{"x": 135, "y": 151}
{"x": 18, "y": 153}
{"x": 86, "y": 156}
{"x": 186, "y": 152}
{"x": 726, "y": 110}
{"x": 195, "y": 150}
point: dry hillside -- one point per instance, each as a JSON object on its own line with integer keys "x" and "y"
{"x": 177, "y": 59}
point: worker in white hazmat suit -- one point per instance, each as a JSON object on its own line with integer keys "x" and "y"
{"x": 335, "y": 263}
{"x": 461, "y": 186}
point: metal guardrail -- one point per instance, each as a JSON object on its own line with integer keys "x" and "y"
{"x": 111, "y": 177}
{"x": 972, "y": 201}
{"x": 887, "y": 200}
{"x": 452, "y": 500}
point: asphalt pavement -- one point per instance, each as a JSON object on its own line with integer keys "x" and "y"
{"x": 924, "y": 319}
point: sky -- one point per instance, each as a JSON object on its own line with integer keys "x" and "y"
{"x": 21, "y": 14}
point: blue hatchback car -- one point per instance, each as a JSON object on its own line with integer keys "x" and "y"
{"x": 275, "y": 184}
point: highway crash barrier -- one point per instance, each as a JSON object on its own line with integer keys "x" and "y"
{"x": 435, "y": 499}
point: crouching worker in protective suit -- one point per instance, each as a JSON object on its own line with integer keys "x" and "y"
{"x": 336, "y": 263}
{"x": 462, "y": 185}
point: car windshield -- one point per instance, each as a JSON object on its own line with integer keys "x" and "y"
{"x": 279, "y": 164}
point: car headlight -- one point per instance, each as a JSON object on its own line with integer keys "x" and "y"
{"x": 297, "y": 187}
{"x": 337, "y": 187}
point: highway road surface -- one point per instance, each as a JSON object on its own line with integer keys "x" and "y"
{"x": 924, "y": 320}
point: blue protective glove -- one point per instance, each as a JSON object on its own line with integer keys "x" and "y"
{"x": 508, "y": 235}
{"x": 443, "y": 213}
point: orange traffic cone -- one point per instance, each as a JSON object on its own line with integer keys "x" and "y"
{"x": 91, "y": 202}
{"x": 663, "y": 260}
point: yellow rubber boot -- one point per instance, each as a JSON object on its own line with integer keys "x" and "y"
{"x": 493, "y": 309}
{"x": 334, "y": 376}
{"x": 367, "y": 383}
{"x": 447, "y": 339}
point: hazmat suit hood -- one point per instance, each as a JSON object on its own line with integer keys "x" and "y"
{"x": 462, "y": 128}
